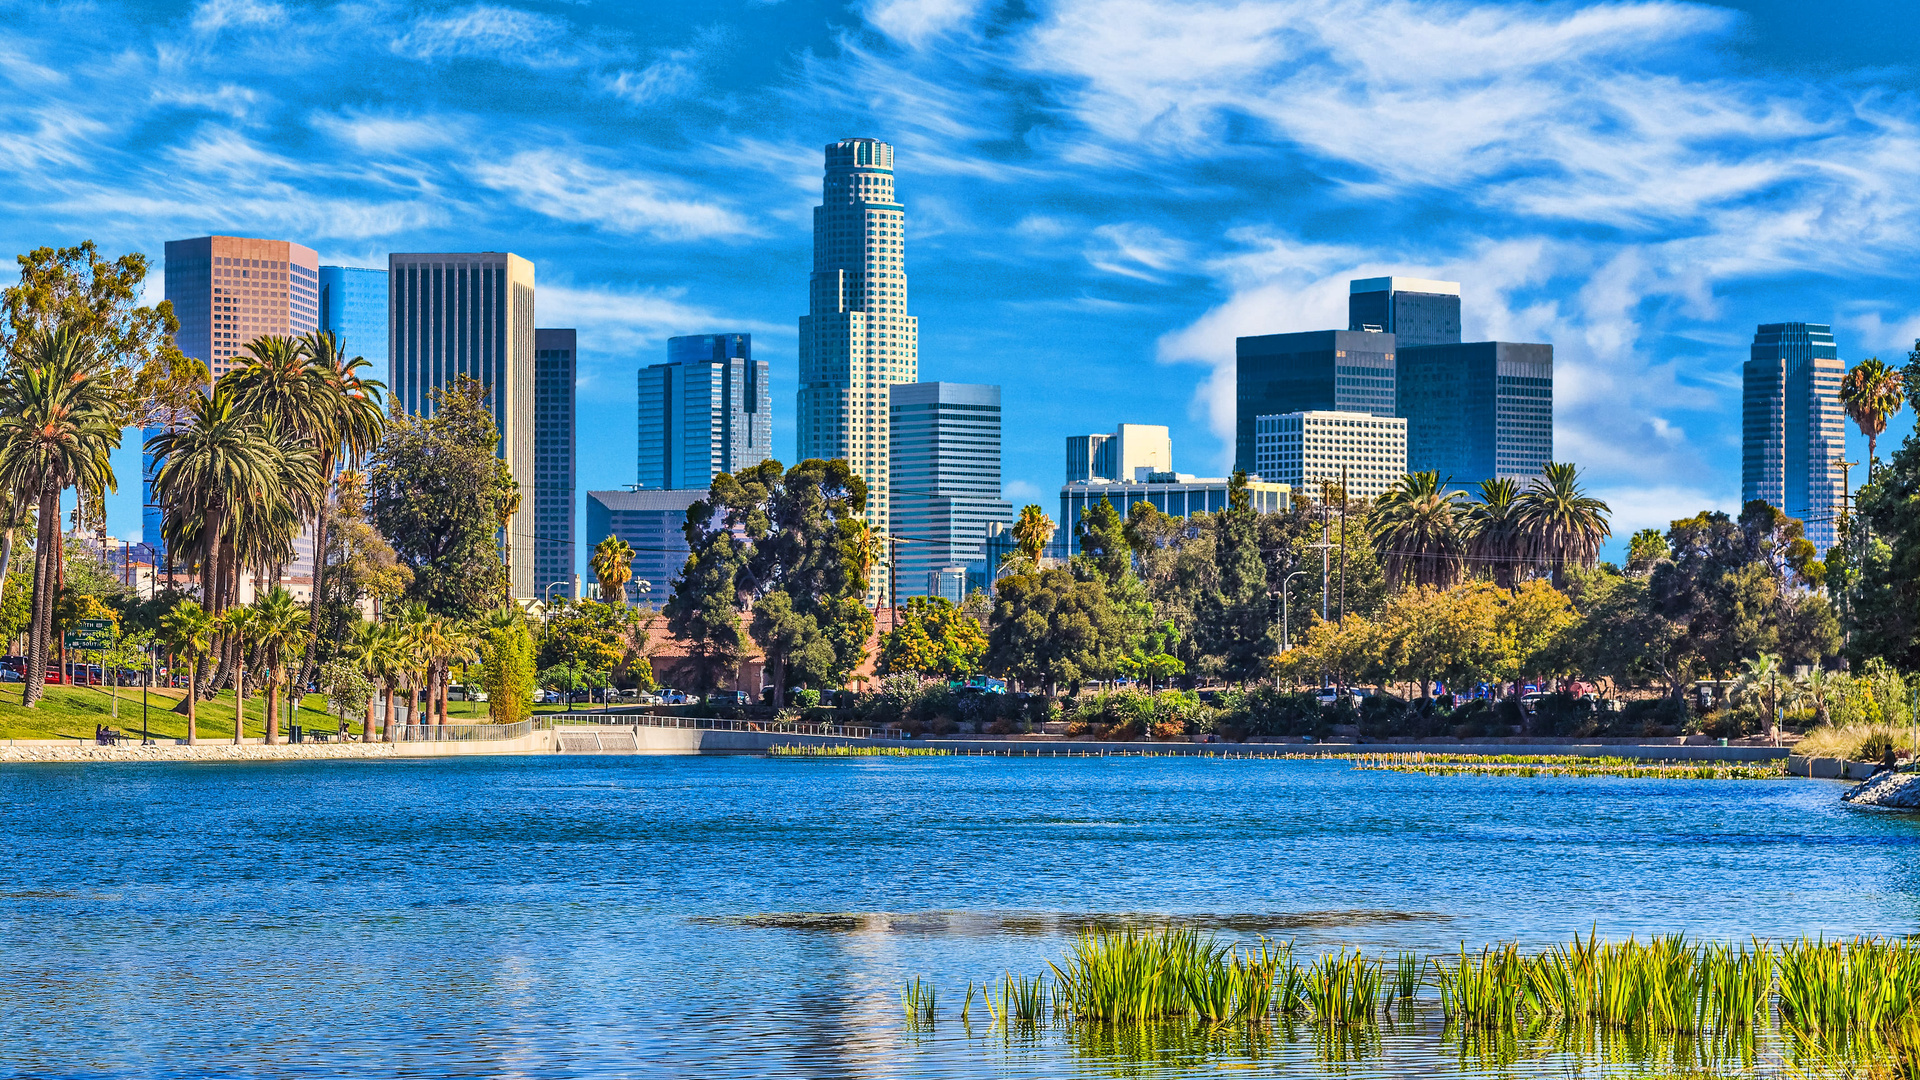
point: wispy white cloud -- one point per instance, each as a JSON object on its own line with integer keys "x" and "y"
{"x": 670, "y": 76}
{"x": 489, "y": 32}
{"x": 917, "y": 22}
{"x": 560, "y": 185}
{"x": 213, "y": 16}
{"x": 626, "y": 323}
{"x": 1135, "y": 250}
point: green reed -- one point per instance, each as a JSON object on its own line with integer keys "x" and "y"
{"x": 917, "y": 999}
{"x": 1345, "y": 988}
{"x": 1837, "y": 989}
{"x": 1482, "y": 992}
{"x": 1406, "y": 976}
{"x": 844, "y": 750}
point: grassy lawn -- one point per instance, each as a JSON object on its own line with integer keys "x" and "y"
{"x": 72, "y": 712}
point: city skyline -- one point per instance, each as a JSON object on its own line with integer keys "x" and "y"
{"x": 1065, "y": 238}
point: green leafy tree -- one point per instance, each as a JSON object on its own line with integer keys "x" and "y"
{"x": 1884, "y": 619}
{"x": 1051, "y": 628}
{"x": 349, "y": 691}
{"x": 1103, "y": 541}
{"x": 1234, "y": 627}
{"x": 126, "y": 650}
{"x": 508, "y": 671}
{"x": 609, "y": 637}
{"x": 439, "y": 493}
{"x": 934, "y": 639}
{"x": 1646, "y": 549}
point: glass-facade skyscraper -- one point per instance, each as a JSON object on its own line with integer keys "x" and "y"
{"x": 1792, "y": 426}
{"x": 555, "y": 363}
{"x": 857, "y": 339}
{"x": 706, "y": 411}
{"x": 945, "y": 480}
{"x": 1477, "y": 410}
{"x": 353, "y": 304}
{"x": 1315, "y": 371}
{"x": 1414, "y": 310}
{"x": 226, "y": 291}
{"x": 471, "y": 313}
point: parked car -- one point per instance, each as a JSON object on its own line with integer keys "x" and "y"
{"x": 459, "y": 692}
{"x": 673, "y": 697}
{"x": 729, "y": 697}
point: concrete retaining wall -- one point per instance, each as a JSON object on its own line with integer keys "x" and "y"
{"x": 1826, "y": 768}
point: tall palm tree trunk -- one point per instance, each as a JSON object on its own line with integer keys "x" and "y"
{"x": 239, "y": 705}
{"x": 193, "y": 692}
{"x": 34, "y": 679}
{"x": 386, "y": 730}
{"x": 273, "y": 704}
{"x": 310, "y": 658}
{"x": 366, "y": 726}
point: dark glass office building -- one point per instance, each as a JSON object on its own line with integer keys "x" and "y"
{"x": 1793, "y": 428}
{"x": 1316, "y": 371}
{"x": 556, "y": 363}
{"x": 1414, "y": 310}
{"x": 1477, "y": 410}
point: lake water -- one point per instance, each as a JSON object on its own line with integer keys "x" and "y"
{"x": 629, "y": 916}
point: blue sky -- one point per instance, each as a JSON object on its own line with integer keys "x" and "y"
{"x": 1101, "y": 194}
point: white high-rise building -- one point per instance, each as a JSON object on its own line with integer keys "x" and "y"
{"x": 1301, "y": 449}
{"x": 856, "y": 340}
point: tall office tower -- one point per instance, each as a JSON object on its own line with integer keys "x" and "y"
{"x": 555, "y": 362}
{"x": 1478, "y": 410}
{"x": 227, "y": 291}
{"x": 651, "y": 522}
{"x": 471, "y": 313}
{"x": 1316, "y": 371}
{"x": 1793, "y": 429}
{"x": 1414, "y": 310}
{"x": 856, "y": 339}
{"x": 945, "y": 480}
{"x": 1132, "y": 451}
{"x": 1303, "y": 449}
{"x": 353, "y": 304}
{"x": 707, "y": 410}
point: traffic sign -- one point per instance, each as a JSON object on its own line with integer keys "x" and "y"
{"x": 89, "y": 633}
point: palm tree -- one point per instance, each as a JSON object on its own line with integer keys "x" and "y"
{"x": 1562, "y": 526}
{"x": 1764, "y": 671}
{"x": 612, "y": 563}
{"x": 1871, "y": 393}
{"x": 279, "y": 629}
{"x": 235, "y": 625}
{"x": 387, "y": 661}
{"x": 1032, "y": 532}
{"x": 410, "y": 634}
{"x": 361, "y": 648}
{"x": 1417, "y": 527}
{"x": 349, "y": 404}
{"x": 57, "y": 425}
{"x": 188, "y": 631}
{"x": 1495, "y": 540}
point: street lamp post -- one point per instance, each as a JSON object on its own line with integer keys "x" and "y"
{"x": 1286, "y": 632}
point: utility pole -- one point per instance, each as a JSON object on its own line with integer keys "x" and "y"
{"x": 1326, "y": 547}
{"x": 1343, "y": 545}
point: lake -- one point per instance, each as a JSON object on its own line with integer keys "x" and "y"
{"x": 562, "y": 916}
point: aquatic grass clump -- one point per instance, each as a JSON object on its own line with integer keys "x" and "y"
{"x": 1483, "y": 992}
{"x": 1831, "y": 990}
{"x": 1406, "y": 976}
{"x": 848, "y": 751}
{"x": 1345, "y": 988}
{"x": 1522, "y": 765}
{"x": 1131, "y": 975}
{"x": 1738, "y": 985}
{"x": 917, "y": 999}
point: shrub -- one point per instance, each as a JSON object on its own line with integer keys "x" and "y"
{"x": 1650, "y": 715}
{"x": 806, "y": 699}
{"x": 1165, "y": 729}
{"x": 1852, "y": 741}
{"x": 1564, "y": 714}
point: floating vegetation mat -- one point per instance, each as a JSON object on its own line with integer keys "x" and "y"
{"x": 1825, "y": 1008}
{"x": 1539, "y": 765}
{"x": 1047, "y": 924}
{"x": 838, "y": 750}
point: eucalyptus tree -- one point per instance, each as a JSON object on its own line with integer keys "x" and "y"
{"x": 58, "y": 424}
{"x": 1418, "y": 529}
{"x": 1495, "y": 541}
{"x": 187, "y": 631}
{"x": 1563, "y": 526}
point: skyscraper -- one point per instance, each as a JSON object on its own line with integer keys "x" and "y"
{"x": 555, "y": 362}
{"x": 706, "y": 411}
{"x": 227, "y": 291}
{"x": 945, "y": 479}
{"x": 471, "y": 313}
{"x": 353, "y": 304}
{"x": 1792, "y": 426}
{"x": 1304, "y": 449}
{"x": 1316, "y": 371}
{"x": 856, "y": 339}
{"x": 1414, "y": 310}
{"x": 1478, "y": 410}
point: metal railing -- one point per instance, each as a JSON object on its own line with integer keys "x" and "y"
{"x": 468, "y": 732}
{"x": 705, "y": 723}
